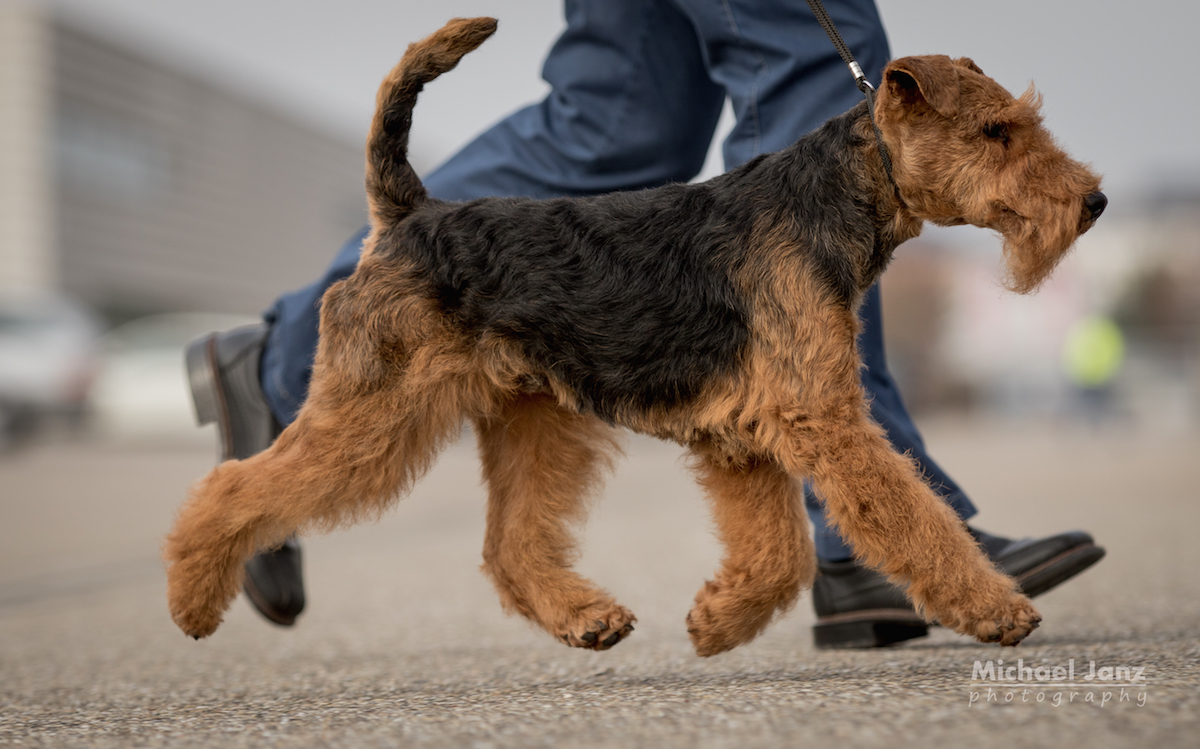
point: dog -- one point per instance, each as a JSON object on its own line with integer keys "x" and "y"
{"x": 719, "y": 315}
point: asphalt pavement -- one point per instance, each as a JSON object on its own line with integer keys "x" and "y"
{"x": 404, "y": 642}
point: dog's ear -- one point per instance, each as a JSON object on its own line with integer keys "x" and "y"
{"x": 969, "y": 64}
{"x": 927, "y": 80}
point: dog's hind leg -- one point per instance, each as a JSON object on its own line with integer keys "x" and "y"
{"x": 371, "y": 425}
{"x": 541, "y": 463}
{"x": 759, "y": 513}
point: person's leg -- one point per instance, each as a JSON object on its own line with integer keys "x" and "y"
{"x": 631, "y": 107}
{"x": 782, "y": 74}
{"x": 291, "y": 343}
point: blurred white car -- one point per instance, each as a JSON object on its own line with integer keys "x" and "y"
{"x": 47, "y": 361}
{"x": 141, "y": 388}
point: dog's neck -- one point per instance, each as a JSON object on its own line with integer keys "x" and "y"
{"x": 817, "y": 170}
{"x": 894, "y": 223}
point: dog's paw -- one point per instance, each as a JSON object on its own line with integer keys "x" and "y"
{"x": 599, "y": 628}
{"x": 198, "y": 596}
{"x": 196, "y": 618}
{"x": 1014, "y": 623}
{"x": 705, "y": 632}
{"x": 718, "y": 622}
{"x": 728, "y": 614}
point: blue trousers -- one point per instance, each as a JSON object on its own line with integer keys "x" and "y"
{"x": 637, "y": 88}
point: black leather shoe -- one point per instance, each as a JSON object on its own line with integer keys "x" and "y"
{"x": 858, "y": 608}
{"x": 275, "y": 585}
{"x": 223, "y": 373}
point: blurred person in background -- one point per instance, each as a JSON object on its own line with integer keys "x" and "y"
{"x": 1091, "y": 358}
{"x": 637, "y": 89}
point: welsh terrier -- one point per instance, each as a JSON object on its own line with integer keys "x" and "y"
{"x": 719, "y": 315}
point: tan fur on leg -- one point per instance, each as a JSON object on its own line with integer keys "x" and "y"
{"x": 364, "y": 435}
{"x": 541, "y": 464}
{"x": 897, "y": 525}
{"x": 768, "y": 558}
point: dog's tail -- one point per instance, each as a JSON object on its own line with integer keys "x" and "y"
{"x": 393, "y": 188}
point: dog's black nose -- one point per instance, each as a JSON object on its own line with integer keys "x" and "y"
{"x": 1095, "y": 204}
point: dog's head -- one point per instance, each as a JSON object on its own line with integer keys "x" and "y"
{"x": 965, "y": 150}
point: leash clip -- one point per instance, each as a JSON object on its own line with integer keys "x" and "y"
{"x": 859, "y": 76}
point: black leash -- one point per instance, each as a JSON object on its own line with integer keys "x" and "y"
{"x": 860, "y": 79}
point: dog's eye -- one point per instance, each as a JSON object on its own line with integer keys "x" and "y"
{"x": 997, "y": 131}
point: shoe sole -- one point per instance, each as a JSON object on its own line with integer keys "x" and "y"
{"x": 875, "y": 628}
{"x": 878, "y": 628}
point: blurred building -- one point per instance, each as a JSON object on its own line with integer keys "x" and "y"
{"x": 136, "y": 188}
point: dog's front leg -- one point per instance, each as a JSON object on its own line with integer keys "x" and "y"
{"x": 896, "y": 524}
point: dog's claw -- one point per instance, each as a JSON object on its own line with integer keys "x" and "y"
{"x": 1011, "y": 627}
{"x": 601, "y": 634}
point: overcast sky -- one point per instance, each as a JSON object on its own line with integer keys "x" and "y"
{"x": 1118, "y": 78}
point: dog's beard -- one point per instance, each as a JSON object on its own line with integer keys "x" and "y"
{"x": 1033, "y": 247}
